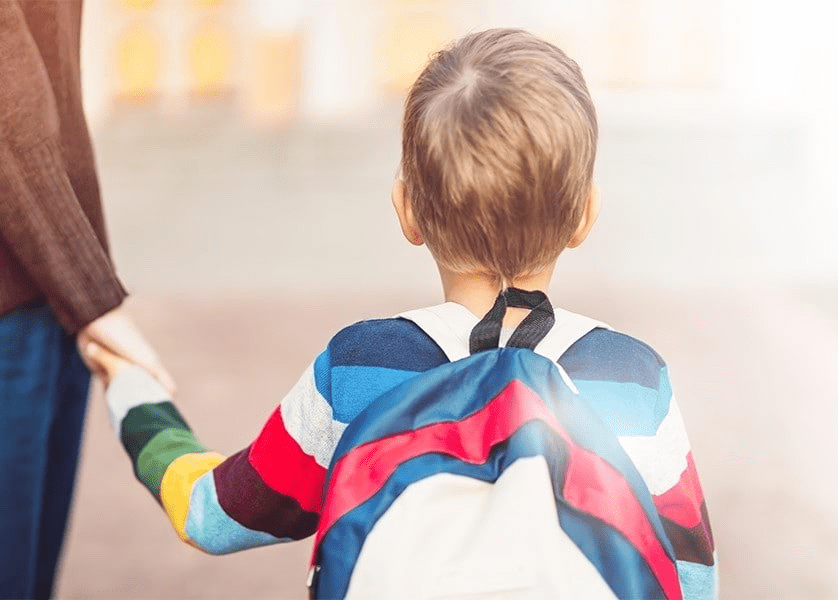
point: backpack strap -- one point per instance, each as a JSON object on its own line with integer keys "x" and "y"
{"x": 450, "y": 325}
{"x": 568, "y": 328}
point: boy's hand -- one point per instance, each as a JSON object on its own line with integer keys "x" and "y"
{"x": 101, "y": 361}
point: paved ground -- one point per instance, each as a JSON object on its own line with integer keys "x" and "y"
{"x": 240, "y": 287}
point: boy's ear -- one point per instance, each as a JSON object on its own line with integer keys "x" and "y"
{"x": 589, "y": 217}
{"x": 404, "y": 210}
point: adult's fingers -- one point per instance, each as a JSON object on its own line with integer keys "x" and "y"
{"x": 116, "y": 332}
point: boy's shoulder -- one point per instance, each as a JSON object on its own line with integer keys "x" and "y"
{"x": 392, "y": 343}
{"x": 368, "y": 358}
{"x": 607, "y": 353}
{"x": 624, "y": 379}
{"x": 399, "y": 342}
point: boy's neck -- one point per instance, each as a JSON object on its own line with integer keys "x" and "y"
{"x": 479, "y": 292}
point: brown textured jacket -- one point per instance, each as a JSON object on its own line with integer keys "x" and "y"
{"x": 52, "y": 234}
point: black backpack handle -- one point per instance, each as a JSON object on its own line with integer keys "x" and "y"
{"x": 536, "y": 325}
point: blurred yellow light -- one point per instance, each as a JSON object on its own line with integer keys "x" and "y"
{"x": 274, "y": 79}
{"x": 209, "y": 3}
{"x": 210, "y": 59}
{"x": 138, "y": 63}
{"x": 139, "y": 4}
{"x": 410, "y": 42}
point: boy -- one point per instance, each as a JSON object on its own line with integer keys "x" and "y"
{"x": 499, "y": 140}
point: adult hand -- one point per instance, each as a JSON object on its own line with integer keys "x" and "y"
{"x": 116, "y": 332}
{"x": 103, "y": 362}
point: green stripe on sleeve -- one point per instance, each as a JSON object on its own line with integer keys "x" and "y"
{"x": 144, "y": 422}
{"x": 160, "y": 452}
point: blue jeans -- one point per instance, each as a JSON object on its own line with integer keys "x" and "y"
{"x": 43, "y": 397}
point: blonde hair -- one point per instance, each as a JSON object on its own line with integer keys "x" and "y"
{"x": 498, "y": 146}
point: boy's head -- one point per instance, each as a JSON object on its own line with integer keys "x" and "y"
{"x": 498, "y": 146}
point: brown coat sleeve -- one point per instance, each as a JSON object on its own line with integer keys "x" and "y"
{"x": 41, "y": 220}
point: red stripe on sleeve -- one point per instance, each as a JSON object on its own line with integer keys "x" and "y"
{"x": 285, "y": 467}
{"x": 681, "y": 504}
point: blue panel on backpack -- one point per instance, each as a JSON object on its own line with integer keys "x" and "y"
{"x": 620, "y": 564}
{"x": 457, "y": 390}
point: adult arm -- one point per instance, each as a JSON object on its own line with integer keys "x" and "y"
{"x": 41, "y": 221}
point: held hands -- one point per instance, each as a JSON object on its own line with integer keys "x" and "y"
{"x": 102, "y": 362}
{"x": 113, "y": 341}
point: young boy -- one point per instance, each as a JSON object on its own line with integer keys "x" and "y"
{"x": 499, "y": 140}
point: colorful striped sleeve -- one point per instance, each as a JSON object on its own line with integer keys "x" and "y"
{"x": 267, "y": 493}
{"x": 665, "y": 461}
{"x": 628, "y": 385}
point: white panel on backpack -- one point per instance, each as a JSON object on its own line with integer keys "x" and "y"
{"x": 493, "y": 544}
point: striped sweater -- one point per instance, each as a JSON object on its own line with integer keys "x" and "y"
{"x": 272, "y": 490}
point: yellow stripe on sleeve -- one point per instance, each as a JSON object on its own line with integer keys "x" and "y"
{"x": 176, "y": 487}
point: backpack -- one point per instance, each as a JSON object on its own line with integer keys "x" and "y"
{"x": 489, "y": 477}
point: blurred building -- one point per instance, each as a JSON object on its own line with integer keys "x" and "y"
{"x": 719, "y": 129}
{"x": 276, "y": 61}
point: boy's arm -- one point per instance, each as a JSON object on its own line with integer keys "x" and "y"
{"x": 267, "y": 493}
{"x": 666, "y": 464}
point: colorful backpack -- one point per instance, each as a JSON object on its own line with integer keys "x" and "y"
{"x": 490, "y": 477}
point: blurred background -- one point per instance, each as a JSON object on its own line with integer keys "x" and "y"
{"x": 246, "y": 151}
